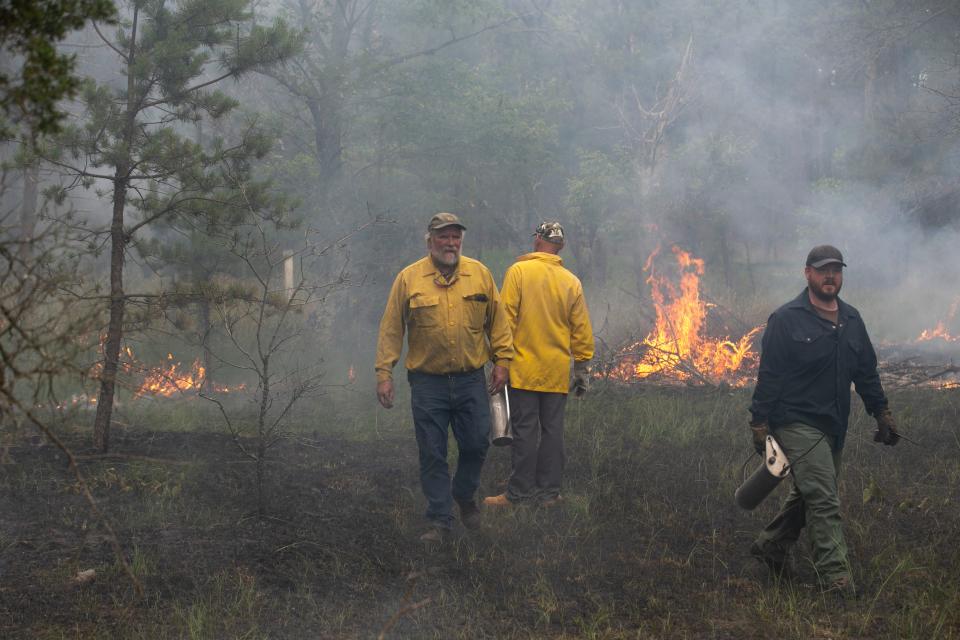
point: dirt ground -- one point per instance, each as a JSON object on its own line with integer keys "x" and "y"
{"x": 648, "y": 543}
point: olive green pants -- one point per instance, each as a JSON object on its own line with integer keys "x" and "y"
{"x": 813, "y": 503}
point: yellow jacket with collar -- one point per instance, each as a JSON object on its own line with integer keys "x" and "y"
{"x": 452, "y": 326}
{"x": 549, "y": 320}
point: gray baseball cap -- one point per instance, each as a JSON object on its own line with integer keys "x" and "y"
{"x": 824, "y": 254}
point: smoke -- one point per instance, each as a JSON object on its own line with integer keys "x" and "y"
{"x": 798, "y": 125}
{"x": 780, "y": 150}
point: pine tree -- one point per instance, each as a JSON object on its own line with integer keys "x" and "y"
{"x": 173, "y": 56}
{"x": 41, "y": 75}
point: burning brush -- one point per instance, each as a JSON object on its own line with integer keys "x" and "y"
{"x": 171, "y": 378}
{"x": 676, "y": 350}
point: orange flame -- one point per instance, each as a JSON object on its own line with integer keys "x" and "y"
{"x": 165, "y": 380}
{"x": 940, "y": 331}
{"x": 676, "y": 348}
{"x": 168, "y": 380}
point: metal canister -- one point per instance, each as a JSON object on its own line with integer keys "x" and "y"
{"x": 500, "y": 432}
{"x": 775, "y": 467}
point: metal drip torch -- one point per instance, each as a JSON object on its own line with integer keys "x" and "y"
{"x": 775, "y": 467}
{"x": 500, "y": 432}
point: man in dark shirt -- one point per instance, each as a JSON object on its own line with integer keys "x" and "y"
{"x": 813, "y": 348}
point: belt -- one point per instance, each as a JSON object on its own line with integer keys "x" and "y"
{"x": 452, "y": 374}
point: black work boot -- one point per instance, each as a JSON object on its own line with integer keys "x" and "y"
{"x": 773, "y": 558}
{"x": 469, "y": 514}
{"x": 435, "y": 535}
{"x": 842, "y": 587}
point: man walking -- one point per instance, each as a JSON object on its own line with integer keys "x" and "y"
{"x": 449, "y": 306}
{"x": 549, "y": 321}
{"x": 813, "y": 348}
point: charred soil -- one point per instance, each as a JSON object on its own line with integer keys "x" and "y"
{"x": 647, "y": 543}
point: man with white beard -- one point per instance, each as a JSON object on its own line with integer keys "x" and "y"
{"x": 813, "y": 348}
{"x": 450, "y": 307}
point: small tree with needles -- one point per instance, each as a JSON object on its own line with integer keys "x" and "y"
{"x": 262, "y": 317}
{"x": 130, "y": 141}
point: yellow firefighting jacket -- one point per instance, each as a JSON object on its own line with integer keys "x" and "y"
{"x": 549, "y": 321}
{"x": 453, "y": 326}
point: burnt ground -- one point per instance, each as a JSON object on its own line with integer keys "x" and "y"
{"x": 648, "y": 542}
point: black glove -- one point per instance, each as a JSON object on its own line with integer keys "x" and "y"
{"x": 886, "y": 428}
{"x": 581, "y": 378}
{"x": 760, "y": 433}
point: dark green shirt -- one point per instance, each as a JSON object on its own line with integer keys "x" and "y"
{"x": 807, "y": 365}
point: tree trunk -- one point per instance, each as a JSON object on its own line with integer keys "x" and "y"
{"x": 111, "y": 348}
{"x": 118, "y": 245}
{"x": 204, "y": 338}
{"x": 598, "y": 263}
{"x": 262, "y": 433}
{"x": 753, "y": 283}
{"x": 327, "y": 138}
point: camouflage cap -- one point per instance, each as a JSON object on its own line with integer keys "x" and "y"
{"x": 824, "y": 254}
{"x": 551, "y": 232}
{"x": 442, "y": 220}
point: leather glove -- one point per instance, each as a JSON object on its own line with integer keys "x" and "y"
{"x": 581, "y": 378}
{"x": 760, "y": 433}
{"x": 886, "y": 428}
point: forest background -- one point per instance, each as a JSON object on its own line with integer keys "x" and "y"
{"x": 742, "y": 132}
{"x": 238, "y": 183}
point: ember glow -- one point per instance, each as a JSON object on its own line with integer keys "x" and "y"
{"x": 677, "y": 350}
{"x": 77, "y": 400}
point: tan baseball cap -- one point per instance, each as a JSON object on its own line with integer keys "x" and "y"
{"x": 442, "y": 220}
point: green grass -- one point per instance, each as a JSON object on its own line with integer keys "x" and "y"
{"x": 648, "y": 545}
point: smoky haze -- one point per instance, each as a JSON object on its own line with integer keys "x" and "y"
{"x": 744, "y": 133}
{"x": 233, "y": 191}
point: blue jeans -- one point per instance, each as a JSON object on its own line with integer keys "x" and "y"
{"x": 459, "y": 400}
